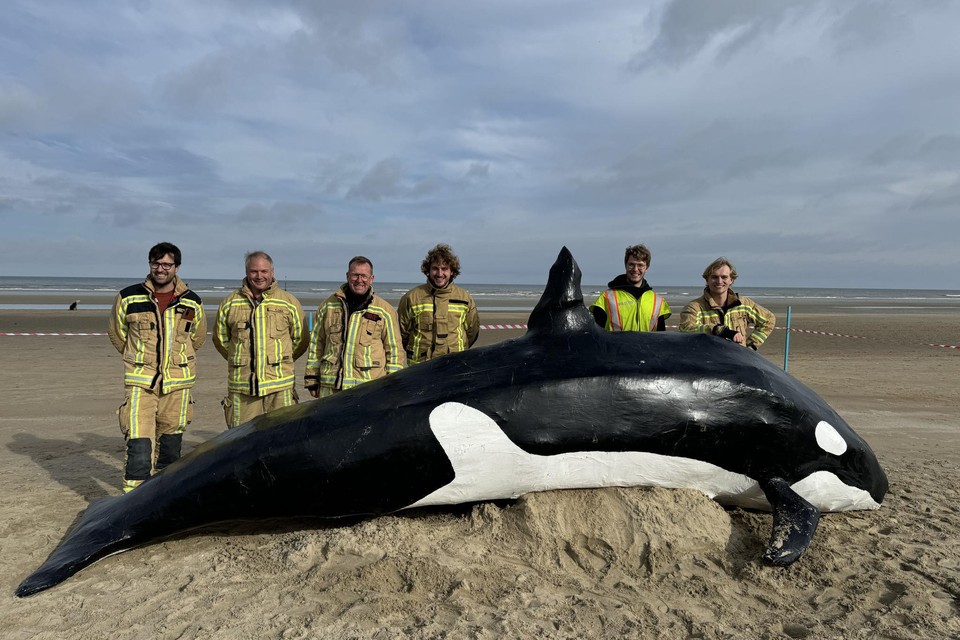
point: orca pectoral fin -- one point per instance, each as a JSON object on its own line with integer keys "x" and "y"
{"x": 794, "y": 523}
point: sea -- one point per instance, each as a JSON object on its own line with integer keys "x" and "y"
{"x": 90, "y": 292}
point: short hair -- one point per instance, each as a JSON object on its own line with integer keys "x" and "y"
{"x": 716, "y": 264}
{"x": 444, "y": 254}
{"x": 359, "y": 260}
{"x": 256, "y": 254}
{"x": 638, "y": 252}
{"x": 157, "y": 251}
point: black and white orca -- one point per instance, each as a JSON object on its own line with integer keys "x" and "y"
{"x": 567, "y": 405}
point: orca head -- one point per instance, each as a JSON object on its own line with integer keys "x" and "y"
{"x": 561, "y": 307}
{"x": 850, "y": 458}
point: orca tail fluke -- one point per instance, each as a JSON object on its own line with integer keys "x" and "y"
{"x": 561, "y": 306}
{"x": 95, "y": 535}
{"x": 794, "y": 523}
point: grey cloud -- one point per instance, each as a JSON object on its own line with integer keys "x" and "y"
{"x": 388, "y": 179}
{"x": 686, "y": 27}
{"x": 290, "y": 215}
{"x": 478, "y": 171}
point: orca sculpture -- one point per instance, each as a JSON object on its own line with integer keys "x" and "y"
{"x": 565, "y": 406}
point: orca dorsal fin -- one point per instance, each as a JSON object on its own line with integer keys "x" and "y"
{"x": 561, "y": 305}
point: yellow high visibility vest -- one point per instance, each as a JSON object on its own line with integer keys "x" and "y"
{"x": 626, "y": 313}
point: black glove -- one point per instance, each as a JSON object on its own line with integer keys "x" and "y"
{"x": 724, "y": 332}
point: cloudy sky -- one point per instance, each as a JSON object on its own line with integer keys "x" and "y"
{"x": 812, "y": 143}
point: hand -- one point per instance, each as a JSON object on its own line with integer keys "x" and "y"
{"x": 738, "y": 337}
{"x": 314, "y": 391}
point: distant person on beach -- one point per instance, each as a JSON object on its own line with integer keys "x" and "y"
{"x": 629, "y": 303}
{"x": 438, "y": 317}
{"x": 722, "y": 312}
{"x": 356, "y": 337}
{"x": 260, "y": 330}
{"x": 157, "y": 326}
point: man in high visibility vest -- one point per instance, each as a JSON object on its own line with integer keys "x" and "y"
{"x": 723, "y": 313}
{"x": 629, "y": 303}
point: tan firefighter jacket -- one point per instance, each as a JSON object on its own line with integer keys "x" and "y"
{"x": 705, "y": 315}
{"x": 348, "y": 350}
{"x": 260, "y": 340}
{"x": 158, "y": 352}
{"x": 435, "y": 322}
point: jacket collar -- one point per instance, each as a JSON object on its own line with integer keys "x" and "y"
{"x": 248, "y": 292}
{"x": 732, "y": 299}
{"x": 179, "y": 286}
{"x": 621, "y": 282}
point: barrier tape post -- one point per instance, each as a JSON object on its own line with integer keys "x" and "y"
{"x": 786, "y": 347}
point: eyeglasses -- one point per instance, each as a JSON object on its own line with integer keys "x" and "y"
{"x": 362, "y": 277}
{"x": 166, "y": 266}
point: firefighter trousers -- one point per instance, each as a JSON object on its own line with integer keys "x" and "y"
{"x": 239, "y": 408}
{"x": 152, "y": 423}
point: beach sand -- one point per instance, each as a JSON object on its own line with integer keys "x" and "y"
{"x": 630, "y": 563}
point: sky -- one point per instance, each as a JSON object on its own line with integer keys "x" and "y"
{"x": 813, "y": 143}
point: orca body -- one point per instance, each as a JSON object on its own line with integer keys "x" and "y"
{"x": 567, "y": 405}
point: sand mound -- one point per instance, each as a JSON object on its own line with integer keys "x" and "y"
{"x": 550, "y": 555}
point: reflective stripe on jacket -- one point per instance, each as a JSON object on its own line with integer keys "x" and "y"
{"x": 347, "y": 351}
{"x": 435, "y": 322}
{"x": 704, "y": 314}
{"x": 624, "y": 312}
{"x": 260, "y": 341}
{"x": 154, "y": 348}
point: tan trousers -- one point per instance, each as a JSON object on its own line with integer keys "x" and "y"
{"x": 152, "y": 424}
{"x": 239, "y": 408}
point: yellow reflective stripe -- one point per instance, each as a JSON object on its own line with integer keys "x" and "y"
{"x": 280, "y": 383}
{"x": 133, "y": 379}
{"x": 418, "y": 309}
{"x": 260, "y": 340}
{"x": 177, "y": 383}
{"x": 184, "y": 409}
{"x": 655, "y": 315}
{"x": 134, "y": 409}
{"x": 613, "y": 310}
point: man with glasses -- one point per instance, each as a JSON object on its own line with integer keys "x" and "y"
{"x": 629, "y": 303}
{"x": 356, "y": 336}
{"x": 157, "y": 326}
{"x": 260, "y": 331}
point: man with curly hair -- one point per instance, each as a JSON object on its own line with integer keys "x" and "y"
{"x": 438, "y": 317}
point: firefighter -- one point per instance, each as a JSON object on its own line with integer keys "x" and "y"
{"x": 438, "y": 317}
{"x": 260, "y": 331}
{"x": 722, "y": 312}
{"x": 157, "y": 326}
{"x": 355, "y": 338}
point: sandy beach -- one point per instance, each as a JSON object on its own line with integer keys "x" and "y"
{"x": 629, "y": 563}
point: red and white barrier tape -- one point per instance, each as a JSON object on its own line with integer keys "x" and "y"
{"x": 825, "y": 333}
{"x": 489, "y": 327}
{"x": 52, "y": 333}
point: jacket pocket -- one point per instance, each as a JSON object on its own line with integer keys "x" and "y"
{"x": 278, "y": 323}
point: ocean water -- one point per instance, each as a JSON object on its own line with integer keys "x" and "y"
{"x": 489, "y": 297}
